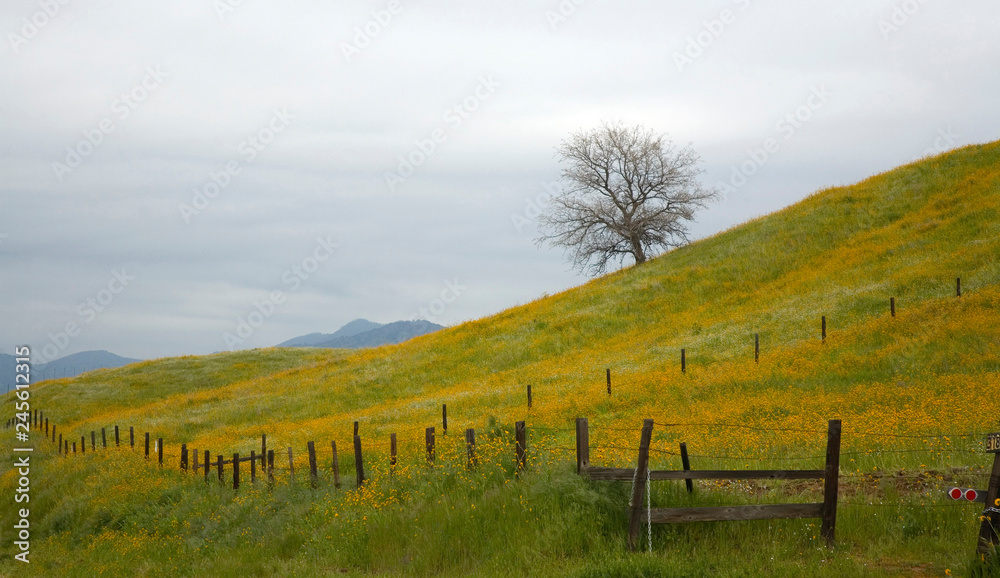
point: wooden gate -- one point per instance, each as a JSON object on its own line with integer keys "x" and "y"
{"x": 826, "y": 510}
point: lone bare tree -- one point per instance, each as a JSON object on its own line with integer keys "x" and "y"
{"x": 626, "y": 191}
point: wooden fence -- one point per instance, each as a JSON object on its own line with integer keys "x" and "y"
{"x": 641, "y": 475}
{"x": 203, "y": 462}
{"x": 189, "y": 458}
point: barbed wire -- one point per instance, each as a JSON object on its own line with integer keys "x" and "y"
{"x": 740, "y": 426}
{"x": 757, "y": 458}
{"x": 550, "y": 428}
{"x": 636, "y": 431}
{"x": 909, "y": 451}
{"x": 913, "y": 436}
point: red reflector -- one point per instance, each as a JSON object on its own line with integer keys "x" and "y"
{"x": 955, "y": 493}
{"x": 971, "y": 495}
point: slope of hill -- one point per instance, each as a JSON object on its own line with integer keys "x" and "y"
{"x": 908, "y": 389}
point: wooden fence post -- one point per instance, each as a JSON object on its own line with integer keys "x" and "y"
{"x": 892, "y": 306}
{"x": 46, "y": 427}
{"x": 607, "y": 373}
{"x": 104, "y": 438}
{"x": 429, "y": 438}
{"x": 291, "y": 464}
{"x": 639, "y": 487}
{"x": 529, "y": 395}
{"x": 194, "y": 465}
{"x": 93, "y": 441}
{"x": 687, "y": 467}
{"x": 147, "y": 445}
{"x": 336, "y": 465}
{"x": 582, "y": 445}
{"x": 359, "y": 464}
{"x": 444, "y": 419}
{"x": 83, "y": 444}
{"x": 831, "y": 482}
{"x": 824, "y": 328}
{"x": 392, "y": 450}
{"x": 253, "y": 467}
{"x": 683, "y": 363}
{"x": 270, "y": 466}
{"x": 987, "y": 531}
{"x": 356, "y": 427}
{"x": 236, "y": 471}
{"x": 756, "y": 347}
{"x": 208, "y": 463}
{"x": 74, "y": 448}
{"x": 313, "y": 474}
{"x": 520, "y": 442}
{"x": 118, "y": 442}
{"x": 131, "y": 437}
{"x": 470, "y": 447}
{"x": 220, "y": 464}
{"x": 53, "y": 432}
{"x": 263, "y": 452}
{"x": 184, "y": 457}
{"x": 159, "y": 450}
{"x": 60, "y": 443}
{"x": 958, "y": 287}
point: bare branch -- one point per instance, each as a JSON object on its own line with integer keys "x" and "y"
{"x": 629, "y": 192}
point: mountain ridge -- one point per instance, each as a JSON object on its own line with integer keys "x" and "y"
{"x": 362, "y": 333}
{"x": 68, "y": 366}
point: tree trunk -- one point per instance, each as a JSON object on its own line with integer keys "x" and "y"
{"x": 637, "y": 252}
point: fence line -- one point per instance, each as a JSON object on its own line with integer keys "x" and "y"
{"x": 199, "y": 460}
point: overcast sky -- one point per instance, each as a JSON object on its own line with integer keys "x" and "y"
{"x": 170, "y": 169}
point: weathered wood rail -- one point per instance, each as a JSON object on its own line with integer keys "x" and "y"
{"x": 826, "y": 510}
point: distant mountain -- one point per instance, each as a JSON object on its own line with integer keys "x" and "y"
{"x": 397, "y": 332}
{"x": 306, "y": 340}
{"x": 7, "y": 364}
{"x": 69, "y": 366}
{"x": 77, "y": 363}
{"x": 355, "y": 327}
{"x": 314, "y": 339}
{"x": 363, "y": 333}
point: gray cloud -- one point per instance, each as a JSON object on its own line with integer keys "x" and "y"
{"x": 894, "y": 91}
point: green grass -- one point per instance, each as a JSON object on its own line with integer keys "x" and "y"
{"x": 840, "y": 253}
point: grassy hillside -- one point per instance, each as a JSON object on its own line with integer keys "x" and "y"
{"x": 841, "y": 253}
